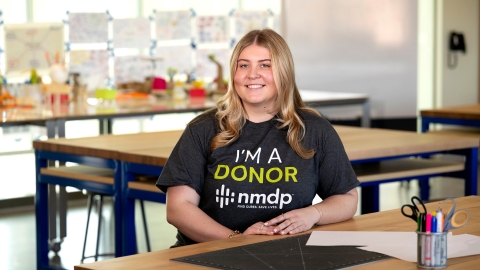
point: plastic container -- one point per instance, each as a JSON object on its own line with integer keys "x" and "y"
{"x": 432, "y": 250}
{"x": 106, "y": 94}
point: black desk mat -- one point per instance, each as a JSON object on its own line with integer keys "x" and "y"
{"x": 286, "y": 253}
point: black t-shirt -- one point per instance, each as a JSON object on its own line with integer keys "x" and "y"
{"x": 258, "y": 176}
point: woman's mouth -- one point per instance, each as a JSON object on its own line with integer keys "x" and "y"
{"x": 255, "y": 86}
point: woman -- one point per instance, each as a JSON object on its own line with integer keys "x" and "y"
{"x": 254, "y": 164}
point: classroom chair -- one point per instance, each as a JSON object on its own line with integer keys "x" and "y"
{"x": 100, "y": 201}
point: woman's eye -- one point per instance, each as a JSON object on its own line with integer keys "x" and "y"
{"x": 242, "y": 65}
{"x": 265, "y": 65}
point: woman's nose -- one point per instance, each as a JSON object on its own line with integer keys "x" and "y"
{"x": 253, "y": 74}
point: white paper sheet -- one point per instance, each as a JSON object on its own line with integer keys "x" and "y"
{"x": 88, "y": 27}
{"x": 463, "y": 245}
{"x": 178, "y": 57}
{"x": 350, "y": 238}
{"x": 173, "y": 25}
{"x": 457, "y": 246}
{"x": 131, "y": 33}
{"x": 26, "y": 45}
{"x": 88, "y": 62}
{"x": 132, "y": 69}
{"x": 245, "y": 21}
{"x": 213, "y": 29}
{"x": 401, "y": 245}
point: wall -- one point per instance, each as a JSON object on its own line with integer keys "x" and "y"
{"x": 426, "y": 55}
{"x": 363, "y": 46}
{"x": 457, "y": 86}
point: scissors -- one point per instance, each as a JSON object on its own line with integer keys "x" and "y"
{"x": 450, "y": 219}
{"x": 416, "y": 202}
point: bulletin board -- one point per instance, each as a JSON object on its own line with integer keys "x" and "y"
{"x": 26, "y": 45}
{"x": 181, "y": 40}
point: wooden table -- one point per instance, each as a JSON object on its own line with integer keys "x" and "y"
{"x": 467, "y": 115}
{"x": 318, "y": 99}
{"x": 55, "y": 116}
{"x": 391, "y": 220}
{"x": 146, "y": 153}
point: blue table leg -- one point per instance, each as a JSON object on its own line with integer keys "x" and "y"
{"x": 370, "y": 201}
{"x": 128, "y": 218}
{"x": 424, "y": 185}
{"x": 470, "y": 174}
{"x": 425, "y": 124}
{"x": 118, "y": 197}
{"x": 41, "y": 215}
{"x": 471, "y": 169}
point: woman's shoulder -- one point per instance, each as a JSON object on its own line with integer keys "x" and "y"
{"x": 206, "y": 119}
{"x": 314, "y": 122}
{"x": 311, "y": 116}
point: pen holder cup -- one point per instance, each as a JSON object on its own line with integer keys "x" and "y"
{"x": 432, "y": 250}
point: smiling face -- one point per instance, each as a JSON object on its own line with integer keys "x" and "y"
{"x": 254, "y": 81}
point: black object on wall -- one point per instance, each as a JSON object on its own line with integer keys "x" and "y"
{"x": 456, "y": 44}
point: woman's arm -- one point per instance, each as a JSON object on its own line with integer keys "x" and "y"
{"x": 183, "y": 213}
{"x": 333, "y": 209}
{"x": 337, "y": 208}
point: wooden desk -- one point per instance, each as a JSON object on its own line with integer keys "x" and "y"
{"x": 323, "y": 99}
{"x": 146, "y": 153}
{"x": 391, "y": 220}
{"x": 364, "y": 145}
{"x": 467, "y": 115}
{"x": 54, "y": 116}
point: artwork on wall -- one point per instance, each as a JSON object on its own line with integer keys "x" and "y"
{"x": 177, "y": 57}
{"x": 88, "y": 27}
{"x": 132, "y": 69}
{"x": 172, "y": 25}
{"x": 29, "y": 45}
{"x": 180, "y": 40}
{"x": 213, "y": 29}
{"x": 131, "y": 33}
{"x": 87, "y": 62}
{"x": 245, "y": 21}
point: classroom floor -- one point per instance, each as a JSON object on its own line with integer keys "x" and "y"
{"x": 17, "y": 225}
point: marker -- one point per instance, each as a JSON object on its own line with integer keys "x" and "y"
{"x": 419, "y": 226}
{"x": 428, "y": 238}
{"x": 422, "y": 238}
{"x": 434, "y": 224}
{"x": 439, "y": 216}
{"x": 443, "y": 238}
{"x": 424, "y": 222}
{"x": 434, "y": 248}
{"x": 443, "y": 250}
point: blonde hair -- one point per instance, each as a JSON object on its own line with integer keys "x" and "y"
{"x": 232, "y": 116}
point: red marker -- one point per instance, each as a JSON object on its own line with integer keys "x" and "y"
{"x": 428, "y": 239}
